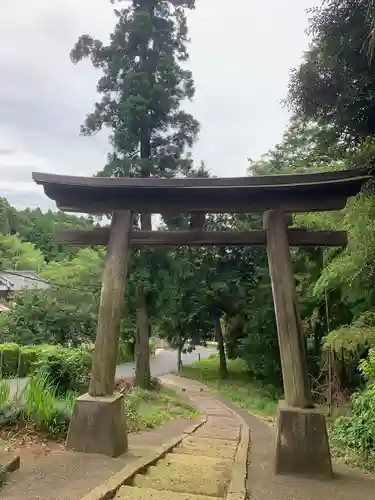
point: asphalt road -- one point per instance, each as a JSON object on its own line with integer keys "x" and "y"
{"x": 163, "y": 363}
{"x": 166, "y": 362}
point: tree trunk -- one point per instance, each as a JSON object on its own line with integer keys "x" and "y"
{"x": 223, "y": 369}
{"x": 143, "y": 330}
{"x": 179, "y": 358}
{"x": 142, "y": 353}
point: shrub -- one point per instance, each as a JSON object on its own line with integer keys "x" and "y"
{"x": 357, "y": 430}
{"x": 66, "y": 369}
{"x": 29, "y": 356}
{"x": 367, "y": 367}
{"x": 9, "y": 360}
{"x": 125, "y": 354}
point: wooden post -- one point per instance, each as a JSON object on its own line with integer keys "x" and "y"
{"x": 289, "y": 327}
{"x": 111, "y": 304}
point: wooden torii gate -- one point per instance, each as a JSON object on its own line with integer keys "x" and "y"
{"x": 98, "y": 422}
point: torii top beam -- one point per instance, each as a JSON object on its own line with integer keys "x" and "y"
{"x": 289, "y": 193}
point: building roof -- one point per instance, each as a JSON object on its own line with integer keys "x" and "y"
{"x": 21, "y": 280}
{"x": 253, "y": 194}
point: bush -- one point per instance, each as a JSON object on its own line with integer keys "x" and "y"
{"x": 65, "y": 368}
{"x": 367, "y": 367}
{"x": 29, "y": 356}
{"x": 125, "y": 354}
{"x": 9, "y": 360}
{"x": 357, "y": 430}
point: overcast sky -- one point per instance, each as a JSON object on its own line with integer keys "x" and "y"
{"x": 241, "y": 55}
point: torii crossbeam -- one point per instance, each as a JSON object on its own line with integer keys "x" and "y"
{"x": 302, "y": 443}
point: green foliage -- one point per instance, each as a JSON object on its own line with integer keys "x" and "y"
{"x": 64, "y": 314}
{"x": 65, "y": 369}
{"x": 4, "y": 393}
{"x": 149, "y": 409}
{"x": 18, "y": 361}
{"x": 240, "y": 388}
{"x": 142, "y": 86}
{"x": 367, "y": 368}
{"x": 356, "y": 431}
{"x": 144, "y": 81}
{"x": 125, "y": 353}
{"x": 355, "y": 337}
{"x": 43, "y": 409}
{"x": 334, "y": 84}
{"x": 41, "y": 406}
{"x": 37, "y": 405}
{"x": 9, "y": 360}
{"x": 17, "y": 254}
{"x": 57, "y": 316}
{"x": 38, "y": 229}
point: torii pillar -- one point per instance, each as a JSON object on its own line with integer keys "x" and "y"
{"x": 98, "y": 422}
{"x": 302, "y": 441}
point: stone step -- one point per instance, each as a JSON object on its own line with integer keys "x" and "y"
{"x": 195, "y": 461}
{"x": 218, "y": 433}
{"x": 131, "y": 493}
{"x": 217, "y": 448}
{"x": 184, "y": 479}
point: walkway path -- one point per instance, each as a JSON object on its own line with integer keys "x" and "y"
{"x": 208, "y": 464}
{"x": 263, "y": 484}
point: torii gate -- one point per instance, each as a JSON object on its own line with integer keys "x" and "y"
{"x": 98, "y": 422}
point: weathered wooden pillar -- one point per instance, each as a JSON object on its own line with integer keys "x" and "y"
{"x": 292, "y": 347}
{"x": 302, "y": 441}
{"x": 111, "y": 305}
{"x": 98, "y": 422}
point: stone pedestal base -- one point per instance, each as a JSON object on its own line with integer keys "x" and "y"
{"x": 302, "y": 442}
{"x": 98, "y": 426}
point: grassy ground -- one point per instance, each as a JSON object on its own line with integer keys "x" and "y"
{"x": 238, "y": 387}
{"x": 41, "y": 411}
{"x": 149, "y": 409}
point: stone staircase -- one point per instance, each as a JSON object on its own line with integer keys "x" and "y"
{"x": 199, "y": 468}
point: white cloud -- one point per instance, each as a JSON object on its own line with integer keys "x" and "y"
{"x": 241, "y": 54}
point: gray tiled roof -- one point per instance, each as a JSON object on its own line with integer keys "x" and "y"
{"x": 21, "y": 280}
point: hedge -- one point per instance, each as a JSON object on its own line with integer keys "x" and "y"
{"x": 20, "y": 361}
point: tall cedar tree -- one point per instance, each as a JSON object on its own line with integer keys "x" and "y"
{"x": 143, "y": 84}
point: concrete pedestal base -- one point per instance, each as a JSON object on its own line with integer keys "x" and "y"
{"x": 302, "y": 442}
{"x": 98, "y": 426}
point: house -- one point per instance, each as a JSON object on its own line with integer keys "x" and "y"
{"x": 16, "y": 281}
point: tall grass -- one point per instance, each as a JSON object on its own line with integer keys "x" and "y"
{"x": 37, "y": 405}
{"x": 4, "y": 393}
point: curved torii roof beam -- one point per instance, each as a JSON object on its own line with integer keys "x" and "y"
{"x": 289, "y": 193}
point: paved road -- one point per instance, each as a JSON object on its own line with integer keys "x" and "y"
{"x": 166, "y": 362}
{"x": 163, "y": 363}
